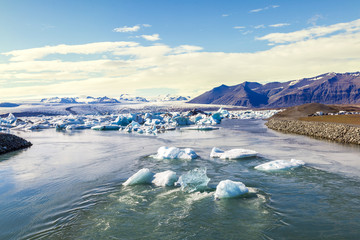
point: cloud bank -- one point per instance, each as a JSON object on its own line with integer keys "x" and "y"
{"x": 130, "y": 66}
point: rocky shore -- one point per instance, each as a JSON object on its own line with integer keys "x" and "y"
{"x": 332, "y": 131}
{"x": 9, "y": 143}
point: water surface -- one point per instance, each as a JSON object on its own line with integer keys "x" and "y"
{"x": 68, "y": 186}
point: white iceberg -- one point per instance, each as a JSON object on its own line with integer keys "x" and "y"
{"x": 280, "y": 165}
{"x": 200, "y": 128}
{"x": 232, "y": 154}
{"x": 167, "y": 178}
{"x": 230, "y": 189}
{"x": 175, "y": 153}
{"x": 193, "y": 180}
{"x": 143, "y": 176}
{"x": 105, "y": 128}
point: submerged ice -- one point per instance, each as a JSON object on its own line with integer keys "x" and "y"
{"x": 280, "y": 165}
{"x": 232, "y": 154}
{"x": 194, "y": 180}
{"x": 230, "y": 189}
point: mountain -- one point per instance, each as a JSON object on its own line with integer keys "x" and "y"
{"x": 170, "y": 98}
{"x": 329, "y": 88}
{"x": 58, "y": 100}
{"x": 128, "y": 98}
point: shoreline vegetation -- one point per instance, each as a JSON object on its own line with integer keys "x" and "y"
{"x": 319, "y": 121}
{"x": 10, "y": 143}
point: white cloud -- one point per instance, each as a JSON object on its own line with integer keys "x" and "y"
{"x": 279, "y": 25}
{"x": 154, "y": 37}
{"x": 186, "y": 68}
{"x": 259, "y": 26}
{"x": 313, "y": 20}
{"x": 313, "y": 32}
{"x": 90, "y": 48}
{"x": 146, "y": 25}
{"x": 127, "y": 29}
{"x": 225, "y": 15}
{"x": 263, "y": 9}
{"x": 239, "y": 27}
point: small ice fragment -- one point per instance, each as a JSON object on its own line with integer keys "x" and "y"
{"x": 230, "y": 189}
{"x": 201, "y": 128}
{"x": 175, "y": 153}
{"x": 216, "y": 152}
{"x": 143, "y": 176}
{"x": 280, "y": 165}
{"x": 167, "y": 178}
{"x": 232, "y": 154}
{"x": 105, "y": 127}
{"x": 194, "y": 180}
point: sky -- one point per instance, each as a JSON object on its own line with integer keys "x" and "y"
{"x": 182, "y": 47}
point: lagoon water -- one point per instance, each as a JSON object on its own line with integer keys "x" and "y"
{"x": 68, "y": 185}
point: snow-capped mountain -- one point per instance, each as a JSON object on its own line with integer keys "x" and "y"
{"x": 168, "y": 98}
{"x": 128, "y": 98}
{"x": 329, "y": 88}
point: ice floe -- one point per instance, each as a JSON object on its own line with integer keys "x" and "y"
{"x": 143, "y": 176}
{"x": 194, "y": 180}
{"x": 230, "y": 189}
{"x": 141, "y": 122}
{"x": 280, "y": 165}
{"x": 236, "y": 153}
{"x": 175, "y": 153}
{"x": 166, "y": 178}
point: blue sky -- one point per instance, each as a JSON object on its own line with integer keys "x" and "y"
{"x": 70, "y": 48}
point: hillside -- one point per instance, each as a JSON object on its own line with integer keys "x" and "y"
{"x": 329, "y": 88}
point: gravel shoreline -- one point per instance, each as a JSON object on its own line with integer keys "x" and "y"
{"x": 332, "y": 131}
{"x": 9, "y": 143}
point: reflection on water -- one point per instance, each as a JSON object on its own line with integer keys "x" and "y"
{"x": 68, "y": 185}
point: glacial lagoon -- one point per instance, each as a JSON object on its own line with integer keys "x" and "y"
{"x": 69, "y": 185}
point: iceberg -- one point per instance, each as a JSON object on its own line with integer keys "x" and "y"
{"x": 200, "y": 128}
{"x": 194, "y": 180}
{"x": 175, "y": 153}
{"x": 232, "y": 154}
{"x": 230, "y": 189}
{"x": 105, "y": 127}
{"x": 167, "y": 178}
{"x": 143, "y": 176}
{"x": 280, "y": 165}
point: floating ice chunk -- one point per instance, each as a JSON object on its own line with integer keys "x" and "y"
{"x": 280, "y": 165}
{"x": 11, "y": 118}
{"x": 167, "y": 178}
{"x": 230, "y": 189}
{"x": 121, "y": 120}
{"x": 216, "y": 152}
{"x": 105, "y": 127}
{"x": 143, "y": 176}
{"x": 175, "y": 153}
{"x": 232, "y": 154}
{"x": 193, "y": 180}
{"x": 201, "y": 128}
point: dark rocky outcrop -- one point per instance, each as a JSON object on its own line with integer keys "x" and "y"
{"x": 329, "y": 88}
{"x": 9, "y": 143}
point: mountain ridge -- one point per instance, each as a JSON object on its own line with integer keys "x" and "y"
{"x": 328, "y": 88}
